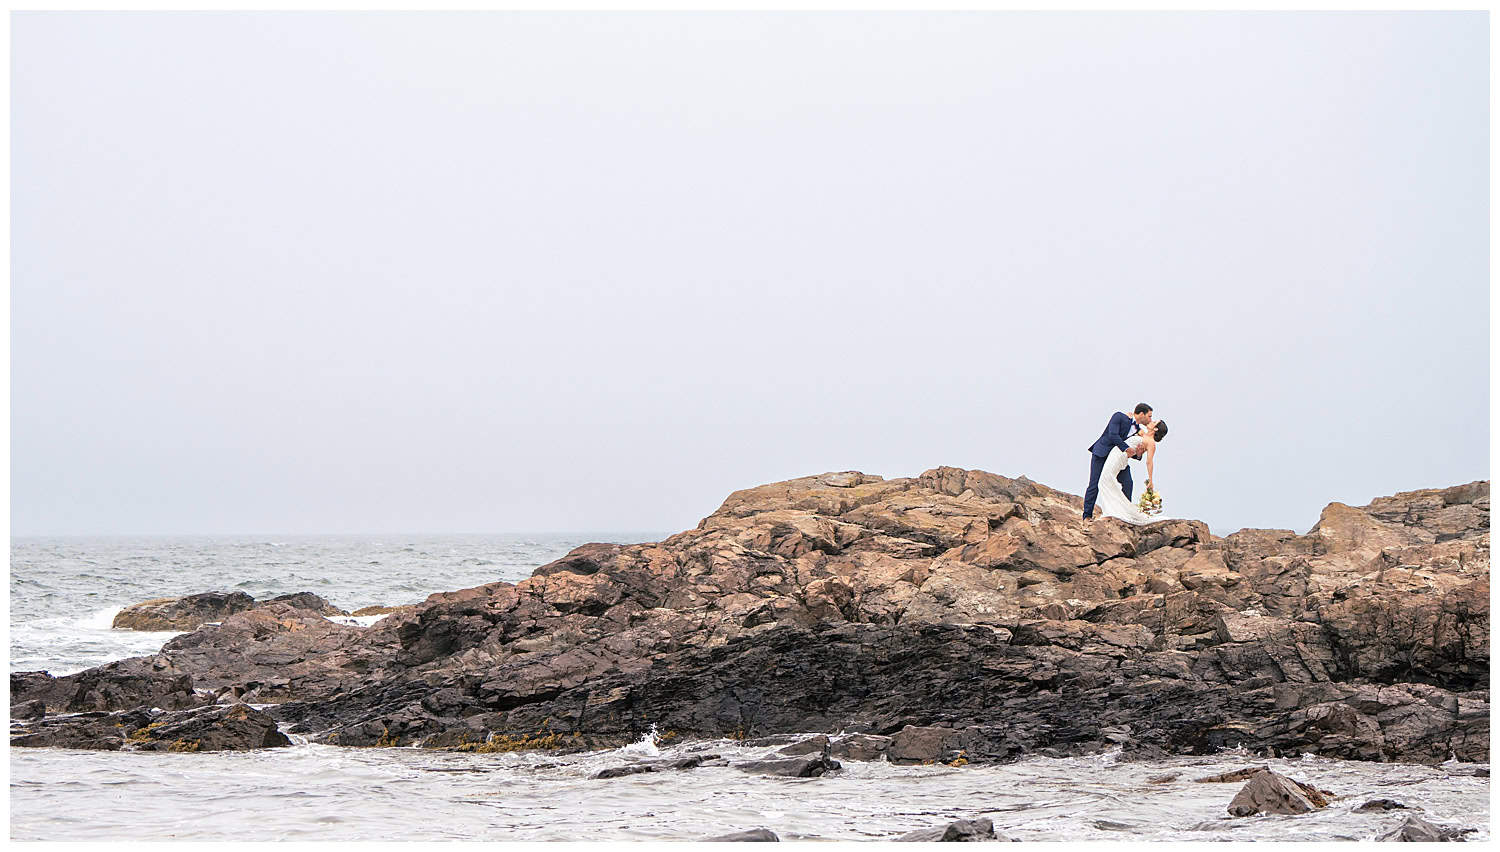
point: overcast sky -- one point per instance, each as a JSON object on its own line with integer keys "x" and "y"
{"x": 520, "y": 272}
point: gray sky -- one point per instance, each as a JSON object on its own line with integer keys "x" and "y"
{"x": 519, "y": 272}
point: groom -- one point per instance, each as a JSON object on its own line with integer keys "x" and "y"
{"x": 1121, "y": 426}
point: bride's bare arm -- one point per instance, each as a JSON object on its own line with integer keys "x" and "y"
{"x": 1150, "y": 457}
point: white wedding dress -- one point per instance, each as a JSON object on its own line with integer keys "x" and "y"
{"x": 1112, "y": 501}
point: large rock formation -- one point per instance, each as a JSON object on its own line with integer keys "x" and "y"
{"x": 193, "y": 611}
{"x": 956, "y": 600}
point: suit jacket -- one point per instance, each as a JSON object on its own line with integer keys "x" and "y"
{"x": 1120, "y": 427}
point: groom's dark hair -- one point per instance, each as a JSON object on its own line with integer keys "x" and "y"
{"x": 1161, "y": 430}
{"x": 1143, "y": 408}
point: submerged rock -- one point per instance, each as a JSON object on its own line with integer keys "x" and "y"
{"x": 958, "y": 831}
{"x": 754, "y": 835}
{"x": 801, "y": 767}
{"x": 1417, "y": 830}
{"x": 1379, "y": 805}
{"x": 1270, "y": 793}
{"x": 1233, "y": 775}
{"x": 693, "y": 762}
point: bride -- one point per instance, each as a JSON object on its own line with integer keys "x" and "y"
{"x": 1112, "y": 500}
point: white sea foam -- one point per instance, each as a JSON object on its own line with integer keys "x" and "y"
{"x": 643, "y": 747}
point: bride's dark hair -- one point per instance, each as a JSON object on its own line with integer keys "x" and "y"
{"x": 1161, "y": 430}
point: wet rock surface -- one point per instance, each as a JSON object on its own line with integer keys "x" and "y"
{"x": 1417, "y": 830}
{"x": 964, "y": 615}
{"x": 1270, "y": 793}
{"x": 236, "y": 727}
{"x": 1379, "y": 806}
{"x": 193, "y": 611}
{"x": 958, "y": 831}
{"x": 754, "y": 835}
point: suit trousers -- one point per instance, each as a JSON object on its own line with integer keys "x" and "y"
{"x": 1096, "y": 467}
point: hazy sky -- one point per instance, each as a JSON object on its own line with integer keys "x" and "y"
{"x": 522, "y": 272}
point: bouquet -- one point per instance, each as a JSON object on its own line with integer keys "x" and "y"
{"x": 1150, "y": 501}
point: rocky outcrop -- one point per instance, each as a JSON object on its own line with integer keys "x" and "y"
{"x": 381, "y": 610}
{"x": 134, "y": 682}
{"x": 236, "y": 727}
{"x": 754, "y": 835}
{"x": 1268, "y": 792}
{"x": 969, "y": 617}
{"x": 193, "y": 611}
{"x": 958, "y": 831}
{"x": 1417, "y": 830}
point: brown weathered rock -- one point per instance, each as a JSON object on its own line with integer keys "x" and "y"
{"x": 237, "y": 727}
{"x": 1233, "y": 775}
{"x": 800, "y": 767}
{"x": 913, "y": 744}
{"x": 381, "y": 610}
{"x": 194, "y": 611}
{"x": 812, "y": 745}
{"x": 1270, "y": 793}
{"x": 1417, "y": 830}
{"x": 958, "y": 831}
{"x": 149, "y": 681}
{"x": 968, "y": 614}
{"x": 1379, "y": 805}
{"x": 27, "y": 710}
{"x": 754, "y": 835}
{"x": 184, "y": 613}
{"x": 863, "y": 747}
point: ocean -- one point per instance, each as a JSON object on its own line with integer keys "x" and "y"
{"x": 65, "y": 591}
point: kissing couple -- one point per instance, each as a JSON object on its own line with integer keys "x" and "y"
{"x": 1127, "y": 437}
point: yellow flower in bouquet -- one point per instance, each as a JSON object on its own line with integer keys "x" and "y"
{"x": 1150, "y": 502}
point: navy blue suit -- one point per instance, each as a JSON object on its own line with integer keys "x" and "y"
{"x": 1120, "y": 427}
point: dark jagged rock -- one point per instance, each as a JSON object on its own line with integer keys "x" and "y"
{"x": 975, "y": 612}
{"x": 381, "y": 610}
{"x": 914, "y": 744}
{"x": 193, "y": 611}
{"x": 1271, "y": 793}
{"x": 1233, "y": 775}
{"x": 622, "y": 771}
{"x": 1380, "y": 806}
{"x": 817, "y": 744}
{"x": 184, "y": 613}
{"x": 237, "y": 727}
{"x": 151, "y": 681}
{"x": 958, "y": 831}
{"x": 93, "y": 731}
{"x": 680, "y": 763}
{"x": 1417, "y": 830}
{"x": 305, "y": 600}
{"x": 861, "y": 747}
{"x": 754, "y": 835}
{"x": 28, "y": 710}
{"x": 799, "y": 767}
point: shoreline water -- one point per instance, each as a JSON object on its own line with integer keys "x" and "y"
{"x": 334, "y": 793}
